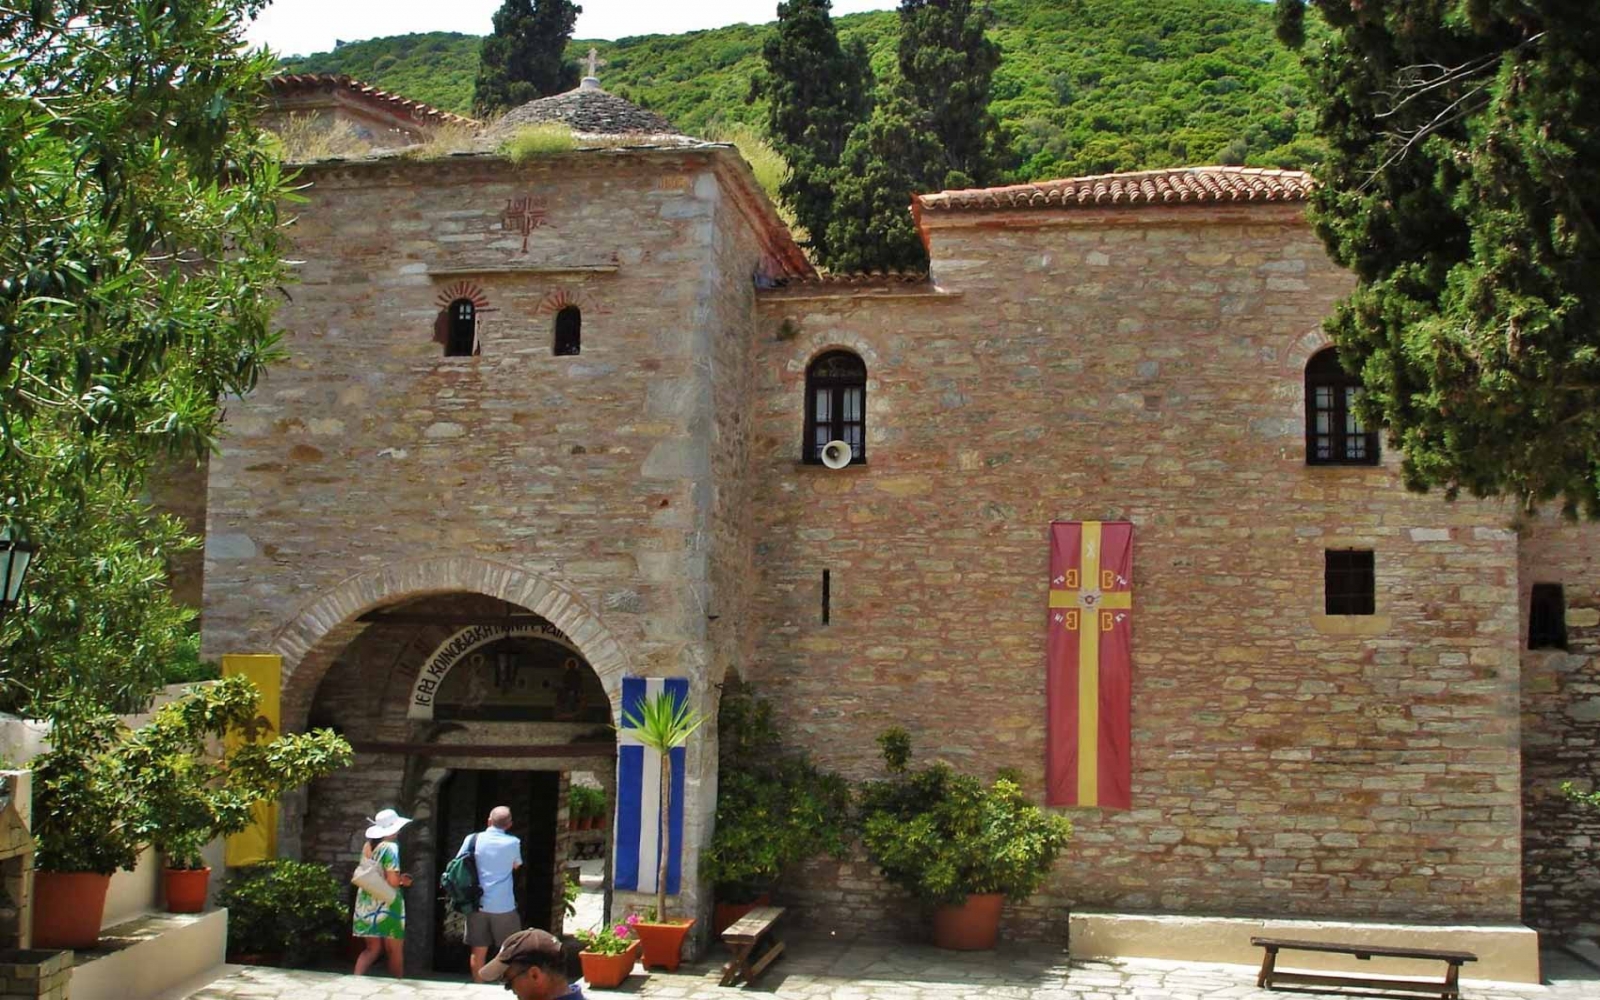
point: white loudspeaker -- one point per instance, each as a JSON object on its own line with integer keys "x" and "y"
{"x": 836, "y": 454}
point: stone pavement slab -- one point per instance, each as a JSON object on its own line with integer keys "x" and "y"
{"x": 829, "y": 970}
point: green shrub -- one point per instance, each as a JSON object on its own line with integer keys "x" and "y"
{"x": 292, "y": 908}
{"x": 546, "y": 139}
{"x": 941, "y": 835}
{"x": 186, "y": 666}
{"x": 586, "y": 803}
{"x": 775, "y": 808}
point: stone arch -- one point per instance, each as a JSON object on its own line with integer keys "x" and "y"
{"x": 313, "y": 639}
{"x": 1300, "y": 352}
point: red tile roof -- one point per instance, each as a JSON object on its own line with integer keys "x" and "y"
{"x": 1178, "y": 186}
{"x": 286, "y": 83}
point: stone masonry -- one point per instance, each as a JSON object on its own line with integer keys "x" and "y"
{"x": 1561, "y": 735}
{"x": 1144, "y": 364}
{"x": 1140, "y": 360}
{"x": 603, "y": 491}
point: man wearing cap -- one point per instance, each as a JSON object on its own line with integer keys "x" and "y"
{"x": 536, "y": 965}
{"x": 497, "y": 854}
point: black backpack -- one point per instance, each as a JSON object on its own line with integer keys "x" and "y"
{"x": 459, "y": 883}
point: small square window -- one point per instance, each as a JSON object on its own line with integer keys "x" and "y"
{"x": 1349, "y": 587}
{"x": 1547, "y": 617}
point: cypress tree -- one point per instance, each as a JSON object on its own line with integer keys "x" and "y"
{"x": 947, "y": 66}
{"x": 1462, "y": 188}
{"x": 872, "y": 227}
{"x": 524, "y": 58}
{"x": 817, "y": 91}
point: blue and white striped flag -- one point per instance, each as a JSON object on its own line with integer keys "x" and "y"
{"x": 639, "y": 793}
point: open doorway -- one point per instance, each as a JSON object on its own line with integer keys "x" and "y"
{"x": 465, "y": 798}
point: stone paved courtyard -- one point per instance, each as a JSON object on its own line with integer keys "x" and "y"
{"x": 827, "y": 970}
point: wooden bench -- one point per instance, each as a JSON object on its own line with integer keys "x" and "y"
{"x": 1449, "y": 988}
{"x": 754, "y": 945}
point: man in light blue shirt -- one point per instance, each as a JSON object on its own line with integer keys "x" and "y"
{"x": 498, "y": 854}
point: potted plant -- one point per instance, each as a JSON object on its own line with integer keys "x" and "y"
{"x": 663, "y": 724}
{"x": 202, "y": 765}
{"x": 609, "y": 953}
{"x": 957, "y": 846}
{"x": 775, "y": 809}
{"x": 283, "y": 912}
{"x": 81, "y": 809}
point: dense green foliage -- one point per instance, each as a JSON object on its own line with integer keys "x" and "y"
{"x": 941, "y": 835}
{"x": 816, "y": 92}
{"x": 524, "y": 58}
{"x": 139, "y": 265}
{"x": 199, "y": 768}
{"x": 882, "y": 166}
{"x": 1463, "y": 189}
{"x": 947, "y": 66}
{"x": 1085, "y": 86}
{"x": 775, "y": 808}
{"x": 291, "y": 908}
{"x": 104, "y": 792}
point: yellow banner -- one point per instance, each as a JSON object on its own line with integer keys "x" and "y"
{"x": 260, "y": 842}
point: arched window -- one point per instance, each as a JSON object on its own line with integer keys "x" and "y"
{"x": 836, "y": 405}
{"x": 462, "y": 339}
{"x": 1334, "y": 435}
{"x": 569, "y": 331}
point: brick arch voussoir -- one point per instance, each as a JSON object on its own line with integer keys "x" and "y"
{"x": 311, "y": 641}
{"x": 1302, "y": 350}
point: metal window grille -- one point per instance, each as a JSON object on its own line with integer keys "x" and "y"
{"x": 836, "y": 405}
{"x": 1334, "y": 433}
{"x": 1349, "y": 582}
{"x": 463, "y": 339}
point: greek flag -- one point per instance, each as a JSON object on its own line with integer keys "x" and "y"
{"x": 638, "y": 837}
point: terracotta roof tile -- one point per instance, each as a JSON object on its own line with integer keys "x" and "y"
{"x": 394, "y": 103}
{"x": 1178, "y": 186}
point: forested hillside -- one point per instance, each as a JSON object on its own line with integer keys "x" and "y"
{"x": 1087, "y": 86}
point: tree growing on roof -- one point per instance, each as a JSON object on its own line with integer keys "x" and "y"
{"x": 817, "y": 91}
{"x": 1463, "y": 190}
{"x": 524, "y": 58}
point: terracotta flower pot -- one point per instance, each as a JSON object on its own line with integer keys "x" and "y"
{"x": 67, "y": 909}
{"x": 606, "y": 971}
{"x": 727, "y": 914}
{"x": 974, "y": 926}
{"x": 663, "y": 943}
{"x": 186, "y": 889}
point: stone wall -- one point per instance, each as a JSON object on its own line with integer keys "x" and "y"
{"x": 1561, "y": 735}
{"x": 1142, "y": 364}
{"x": 369, "y": 469}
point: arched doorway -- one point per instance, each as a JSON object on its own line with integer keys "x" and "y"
{"x": 513, "y": 708}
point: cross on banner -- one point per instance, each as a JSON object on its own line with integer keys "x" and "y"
{"x": 1089, "y": 664}
{"x": 594, "y": 61}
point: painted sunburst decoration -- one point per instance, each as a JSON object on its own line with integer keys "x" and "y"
{"x": 463, "y": 290}
{"x": 560, "y": 299}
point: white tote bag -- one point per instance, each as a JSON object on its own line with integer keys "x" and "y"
{"x": 369, "y": 876}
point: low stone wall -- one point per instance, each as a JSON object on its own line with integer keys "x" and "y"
{"x": 36, "y": 975}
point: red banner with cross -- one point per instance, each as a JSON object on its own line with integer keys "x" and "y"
{"x": 1089, "y": 679}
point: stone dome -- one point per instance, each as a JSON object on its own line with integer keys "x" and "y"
{"x": 587, "y": 110}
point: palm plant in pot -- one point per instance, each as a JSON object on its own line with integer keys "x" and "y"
{"x": 775, "y": 809}
{"x": 201, "y": 766}
{"x": 663, "y": 723}
{"x": 957, "y": 846}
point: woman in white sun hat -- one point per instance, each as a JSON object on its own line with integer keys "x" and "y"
{"x": 383, "y": 925}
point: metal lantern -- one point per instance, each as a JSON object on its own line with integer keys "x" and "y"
{"x": 15, "y": 555}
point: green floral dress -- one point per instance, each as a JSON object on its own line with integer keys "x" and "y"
{"x": 378, "y": 919}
